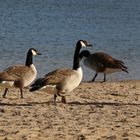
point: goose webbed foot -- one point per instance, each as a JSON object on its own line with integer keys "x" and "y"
{"x": 94, "y": 77}
{"x": 104, "y": 77}
{"x": 64, "y": 99}
{"x": 93, "y": 80}
{"x": 52, "y": 101}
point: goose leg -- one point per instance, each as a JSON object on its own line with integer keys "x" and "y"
{"x": 63, "y": 98}
{"x": 55, "y": 96}
{"x": 94, "y": 77}
{"x": 5, "y": 92}
{"x": 21, "y": 93}
{"x": 104, "y": 77}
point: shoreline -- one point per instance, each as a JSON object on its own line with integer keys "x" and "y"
{"x": 96, "y": 110}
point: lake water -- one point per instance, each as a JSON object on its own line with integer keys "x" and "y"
{"x": 54, "y": 26}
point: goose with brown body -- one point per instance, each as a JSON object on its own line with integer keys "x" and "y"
{"x": 102, "y": 63}
{"x": 64, "y": 80}
{"x": 19, "y": 76}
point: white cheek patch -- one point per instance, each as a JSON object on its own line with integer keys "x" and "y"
{"x": 82, "y": 44}
{"x": 33, "y": 52}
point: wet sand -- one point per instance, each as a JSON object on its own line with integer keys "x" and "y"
{"x": 94, "y": 111}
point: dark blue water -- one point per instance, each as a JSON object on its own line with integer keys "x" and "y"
{"x": 54, "y": 26}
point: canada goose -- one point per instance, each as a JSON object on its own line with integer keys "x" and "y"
{"x": 102, "y": 63}
{"x": 64, "y": 80}
{"x": 19, "y": 76}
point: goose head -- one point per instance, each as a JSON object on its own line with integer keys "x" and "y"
{"x": 79, "y": 45}
{"x": 33, "y": 52}
{"x": 83, "y": 43}
{"x": 84, "y": 53}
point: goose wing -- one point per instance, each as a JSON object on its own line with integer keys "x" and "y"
{"x": 13, "y": 73}
{"x": 58, "y": 75}
{"x": 107, "y": 61}
{"x": 52, "y": 78}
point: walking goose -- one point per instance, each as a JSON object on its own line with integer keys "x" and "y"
{"x": 64, "y": 80}
{"x": 102, "y": 63}
{"x": 19, "y": 76}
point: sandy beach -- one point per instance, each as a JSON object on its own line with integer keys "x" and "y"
{"x": 94, "y": 111}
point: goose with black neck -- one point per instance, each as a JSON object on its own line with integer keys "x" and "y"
{"x": 19, "y": 76}
{"x": 63, "y": 80}
{"x": 101, "y": 62}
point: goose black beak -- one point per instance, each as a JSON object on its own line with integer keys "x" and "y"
{"x": 89, "y": 45}
{"x": 38, "y": 53}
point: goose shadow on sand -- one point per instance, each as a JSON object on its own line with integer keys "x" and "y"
{"x": 97, "y": 104}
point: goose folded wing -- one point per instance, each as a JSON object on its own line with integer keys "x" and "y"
{"x": 52, "y": 78}
{"x": 56, "y": 76}
{"x": 7, "y": 77}
{"x": 13, "y": 73}
{"x": 106, "y": 60}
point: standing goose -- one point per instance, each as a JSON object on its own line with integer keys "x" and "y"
{"x": 64, "y": 80}
{"x": 102, "y": 63}
{"x": 19, "y": 76}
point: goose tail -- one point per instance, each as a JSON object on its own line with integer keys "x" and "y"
{"x": 34, "y": 88}
{"x": 121, "y": 65}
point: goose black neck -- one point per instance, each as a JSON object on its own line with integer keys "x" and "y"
{"x": 29, "y": 59}
{"x": 76, "y": 60}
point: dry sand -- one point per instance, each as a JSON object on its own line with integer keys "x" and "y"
{"x": 94, "y": 111}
